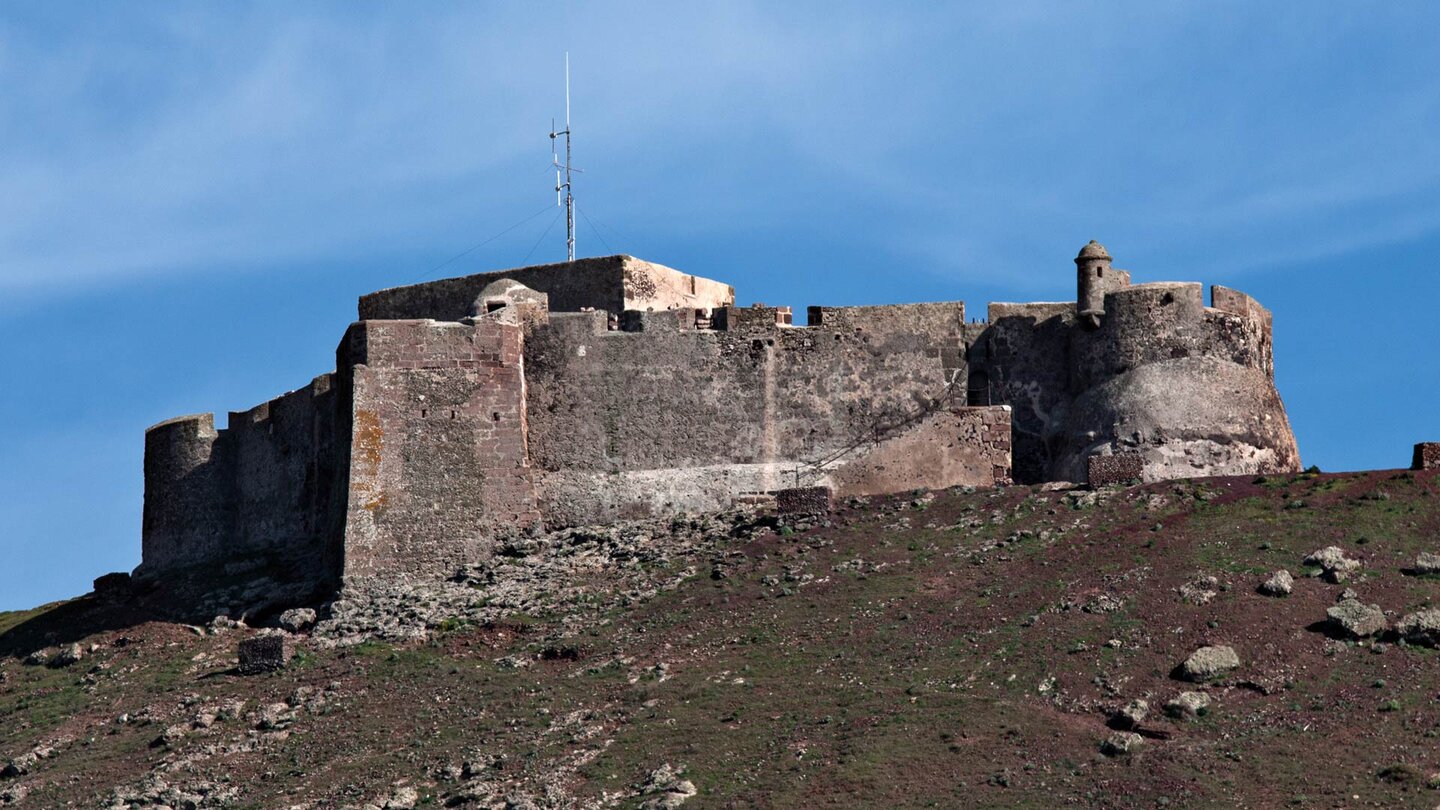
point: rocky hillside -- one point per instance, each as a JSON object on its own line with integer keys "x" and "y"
{"x": 1026, "y": 647}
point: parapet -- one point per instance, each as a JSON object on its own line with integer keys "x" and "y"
{"x": 610, "y": 283}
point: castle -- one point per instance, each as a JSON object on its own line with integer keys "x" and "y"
{"x": 469, "y": 408}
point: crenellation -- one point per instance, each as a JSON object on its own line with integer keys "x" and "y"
{"x": 465, "y": 410}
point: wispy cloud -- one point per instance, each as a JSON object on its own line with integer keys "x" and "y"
{"x": 174, "y": 139}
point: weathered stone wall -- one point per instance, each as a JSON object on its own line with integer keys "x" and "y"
{"x": 438, "y": 460}
{"x": 610, "y": 283}
{"x": 958, "y": 446}
{"x": 1022, "y": 359}
{"x": 260, "y": 494}
{"x": 673, "y": 418}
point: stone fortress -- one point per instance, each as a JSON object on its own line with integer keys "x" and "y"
{"x": 467, "y": 409}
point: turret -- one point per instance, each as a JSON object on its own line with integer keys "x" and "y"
{"x": 1092, "y": 265}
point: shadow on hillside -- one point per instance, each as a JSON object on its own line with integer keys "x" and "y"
{"x": 71, "y": 622}
{"x": 255, "y": 598}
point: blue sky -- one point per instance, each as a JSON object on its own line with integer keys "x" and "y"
{"x": 193, "y": 195}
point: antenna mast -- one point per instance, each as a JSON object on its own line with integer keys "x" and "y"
{"x": 566, "y": 168}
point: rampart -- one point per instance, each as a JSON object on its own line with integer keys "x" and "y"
{"x": 469, "y": 409}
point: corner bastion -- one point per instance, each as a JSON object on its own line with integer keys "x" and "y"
{"x": 465, "y": 410}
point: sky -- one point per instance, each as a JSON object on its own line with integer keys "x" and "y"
{"x": 192, "y": 195}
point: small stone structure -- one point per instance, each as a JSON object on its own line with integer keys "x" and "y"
{"x": 467, "y": 409}
{"x": 1427, "y": 456}
{"x": 1121, "y": 469}
{"x": 803, "y": 501}
{"x": 263, "y": 654}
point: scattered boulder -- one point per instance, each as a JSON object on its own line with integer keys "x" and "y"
{"x": 1121, "y": 743}
{"x": 68, "y": 656}
{"x": 275, "y": 717}
{"x": 1187, "y": 705}
{"x": 1200, "y": 591}
{"x": 298, "y": 620}
{"x": 665, "y": 789}
{"x": 263, "y": 654}
{"x": 38, "y": 658}
{"x": 1334, "y": 565}
{"x": 223, "y": 623}
{"x": 1421, "y": 627}
{"x": 1427, "y": 563}
{"x": 1131, "y": 715}
{"x": 1208, "y": 663}
{"x": 1353, "y": 618}
{"x": 1280, "y": 583}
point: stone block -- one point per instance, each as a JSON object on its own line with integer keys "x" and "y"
{"x": 1427, "y": 456}
{"x": 1119, "y": 469}
{"x": 803, "y": 501}
{"x": 263, "y": 654}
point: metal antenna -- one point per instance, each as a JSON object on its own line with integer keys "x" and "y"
{"x": 564, "y": 185}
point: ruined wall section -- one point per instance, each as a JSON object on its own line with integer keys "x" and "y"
{"x": 670, "y": 418}
{"x": 609, "y": 283}
{"x": 438, "y": 462}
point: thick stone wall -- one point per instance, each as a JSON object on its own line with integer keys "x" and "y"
{"x": 438, "y": 459}
{"x": 260, "y": 494}
{"x": 673, "y": 418}
{"x": 609, "y": 283}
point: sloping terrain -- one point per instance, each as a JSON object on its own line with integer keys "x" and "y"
{"x": 960, "y": 649}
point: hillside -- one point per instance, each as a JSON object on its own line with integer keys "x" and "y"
{"x": 954, "y": 649}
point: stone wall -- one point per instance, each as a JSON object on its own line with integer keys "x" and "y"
{"x": 261, "y": 494}
{"x": 1022, "y": 359}
{"x": 668, "y": 417}
{"x": 438, "y": 458}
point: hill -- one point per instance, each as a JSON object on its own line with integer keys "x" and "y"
{"x": 950, "y": 649}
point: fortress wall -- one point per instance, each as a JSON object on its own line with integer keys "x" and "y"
{"x": 1022, "y": 359}
{"x": 438, "y": 462}
{"x": 257, "y": 494}
{"x": 733, "y": 411}
{"x": 189, "y": 494}
{"x": 610, "y": 283}
{"x": 285, "y": 463}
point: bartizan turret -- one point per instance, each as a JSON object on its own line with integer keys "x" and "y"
{"x": 1095, "y": 278}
